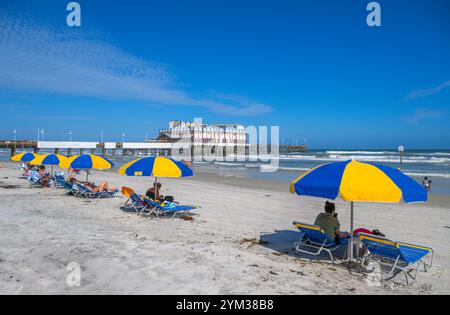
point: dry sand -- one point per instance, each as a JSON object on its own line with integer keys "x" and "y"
{"x": 43, "y": 230}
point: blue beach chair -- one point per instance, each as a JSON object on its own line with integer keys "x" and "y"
{"x": 397, "y": 256}
{"x": 167, "y": 208}
{"x": 34, "y": 179}
{"x": 314, "y": 238}
{"x": 81, "y": 190}
{"x": 68, "y": 186}
{"x": 59, "y": 181}
{"x": 140, "y": 204}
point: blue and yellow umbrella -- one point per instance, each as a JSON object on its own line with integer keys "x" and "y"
{"x": 24, "y": 157}
{"x": 156, "y": 166}
{"x": 87, "y": 162}
{"x": 49, "y": 159}
{"x": 358, "y": 182}
{"x": 355, "y": 181}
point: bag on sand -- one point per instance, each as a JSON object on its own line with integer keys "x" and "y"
{"x": 169, "y": 198}
{"x": 366, "y": 231}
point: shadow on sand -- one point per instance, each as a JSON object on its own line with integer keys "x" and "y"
{"x": 188, "y": 217}
{"x": 282, "y": 242}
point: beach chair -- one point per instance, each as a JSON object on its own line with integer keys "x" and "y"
{"x": 167, "y": 208}
{"x": 314, "y": 240}
{"x": 34, "y": 179}
{"x": 397, "y": 256}
{"x": 141, "y": 204}
{"x": 81, "y": 190}
{"x": 59, "y": 181}
{"x": 127, "y": 192}
{"x": 68, "y": 186}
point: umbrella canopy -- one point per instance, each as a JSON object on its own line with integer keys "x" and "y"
{"x": 156, "y": 166}
{"x": 87, "y": 161}
{"x": 49, "y": 159}
{"x": 359, "y": 182}
{"x": 24, "y": 157}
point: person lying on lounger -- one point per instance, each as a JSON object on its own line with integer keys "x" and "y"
{"x": 103, "y": 187}
{"x": 329, "y": 222}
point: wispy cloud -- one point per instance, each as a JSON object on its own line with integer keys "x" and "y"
{"x": 426, "y": 92}
{"x": 423, "y": 113}
{"x": 38, "y": 58}
{"x": 13, "y": 107}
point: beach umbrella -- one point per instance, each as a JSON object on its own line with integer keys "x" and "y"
{"x": 24, "y": 157}
{"x": 49, "y": 159}
{"x": 157, "y": 167}
{"x": 355, "y": 181}
{"x": 87, "y": 162}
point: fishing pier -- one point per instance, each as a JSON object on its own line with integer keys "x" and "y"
{"x": 111, "y": 148}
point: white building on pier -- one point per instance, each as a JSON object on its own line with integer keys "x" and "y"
{"x": 207, "y": 139}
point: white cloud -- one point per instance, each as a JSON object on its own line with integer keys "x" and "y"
{"x": 423, "y": 113}
{"x": 11, "y": 107}
{"x": 37, "y": 58}
{"x": 426, "y": 92}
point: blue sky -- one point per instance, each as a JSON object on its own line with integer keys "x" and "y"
{"x": 314, "y": 68}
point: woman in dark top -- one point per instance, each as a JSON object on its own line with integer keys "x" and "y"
{"x": 151, "y": 192}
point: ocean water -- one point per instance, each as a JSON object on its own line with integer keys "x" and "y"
{"x": 416, "y": 163}
{"x": 434, "y": 164}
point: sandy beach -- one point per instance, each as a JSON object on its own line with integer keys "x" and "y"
{"x": 239, "y": 242}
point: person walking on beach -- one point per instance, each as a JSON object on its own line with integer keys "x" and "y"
{"x": 426, "y": 183}
{"x": 329, "y": 222}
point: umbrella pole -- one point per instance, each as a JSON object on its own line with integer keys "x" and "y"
{"x": 156, "y": 188}
{"x": 87, "y": 175}
{"x": 350, "y": 245}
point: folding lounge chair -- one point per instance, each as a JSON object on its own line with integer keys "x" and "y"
{"x": 168, "y": 208}
{"x": 81, "y": 190}
{"x": 34, "y": 179}
{"x": 59, "y": 181}
{"x": 137, "y": 203}
{"x": 317, "y": 240}
{"x": 127, "y": 192}
{"x": 397, "y": 256}
{"x": 68, "y": 186}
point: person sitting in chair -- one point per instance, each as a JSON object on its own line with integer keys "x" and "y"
{"x": 329, "y": 222}
{"x": 156, "y": 195}
{"x": 44, "y": 177}
{"x": 153, "y": 193}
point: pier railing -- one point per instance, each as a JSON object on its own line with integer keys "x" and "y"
{"x": 112, "y": 148}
